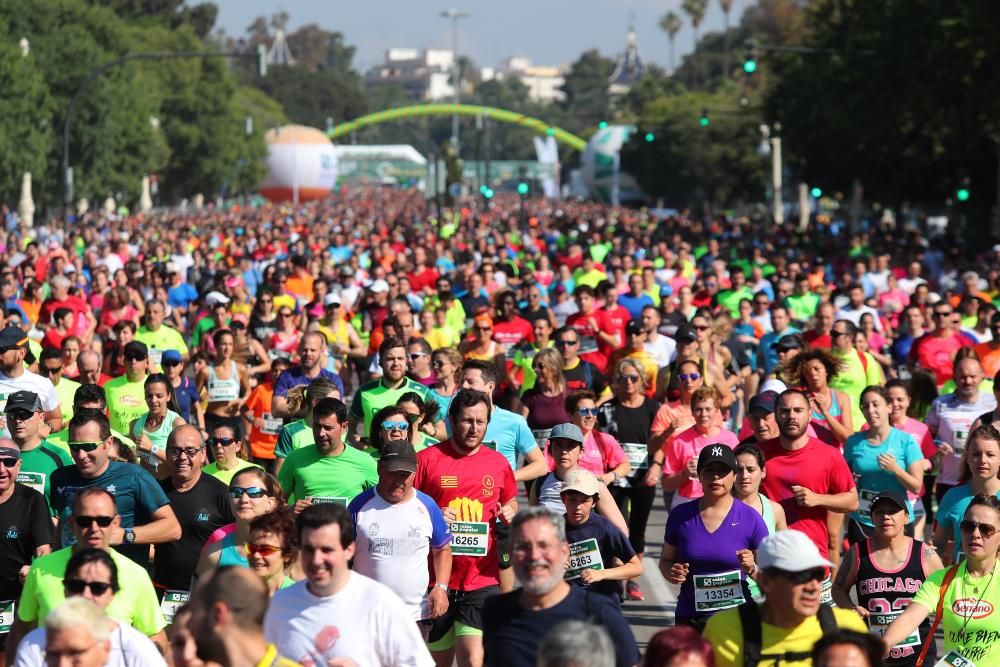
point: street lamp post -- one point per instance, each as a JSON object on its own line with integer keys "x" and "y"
{"x": 772, "y": 134}
{"x": 455, "y": 15}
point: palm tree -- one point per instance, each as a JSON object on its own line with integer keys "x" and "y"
{"x": 671, "y": 24}
{"x": 695, "y": 9}
{"x": 727, "y": 6}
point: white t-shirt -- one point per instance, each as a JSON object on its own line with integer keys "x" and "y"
{"x": 949, "y": 420}
{"x": 129, "y": 648}
{"x": 663, "y": 349}
{"x": 28, "y": 381}
{"x": 854, "y": 315}
{"x": 393, "y": 542}
{"x": 365, "y": 622}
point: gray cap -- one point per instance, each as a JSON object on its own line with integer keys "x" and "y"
{"x": 567, "y": 432}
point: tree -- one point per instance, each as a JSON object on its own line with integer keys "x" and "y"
{"x": 695, "y": 9}
{"x": 671, "y": 24}
{"x": 586, "y": 89}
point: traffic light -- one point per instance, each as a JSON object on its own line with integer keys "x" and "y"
{"x": 750, "y": 59}
{"x": 522, "y": 189}
{"x": 650, "y": 137}
{"x": 962, "y": 193}
{"x": 603, "y": 124}
{"x": 488, "y": 193}
{"x": 261, "y": 60}
{"x": 816, "y": 192}
{"x": 551, "y": 131}
{"x": 704, "y": 118}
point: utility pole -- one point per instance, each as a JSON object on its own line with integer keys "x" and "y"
{"x": 772, "y": 135}
{"x": 455, "y": 15}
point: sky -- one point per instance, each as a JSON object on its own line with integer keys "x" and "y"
{"x": 549, "y": 32}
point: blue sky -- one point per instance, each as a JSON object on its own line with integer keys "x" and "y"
{"x": 550, "y": 32}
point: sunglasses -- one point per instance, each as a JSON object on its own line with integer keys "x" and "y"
{"x": 254, "y": 492}
{"x": 20, "y": 414}
{"x": 78, "y": 586}
{"x": 566, "y": 343}
{"x": 85, "y": 446}
{"x": 803, "y": 577}
{"x": 284, "y": 314}
{"x": 9, "y": 461}
{"x": 84, "y": 521}
{"x": 264, "y": 550}
{"x": 684, "y": 377}
{"x": 437, "y": 363}
{"x": 395, "y": 426}
{"x": 135, "y": 357}
{"x": 175, "y": 452}
{"x": 484, "y": 328}
{"x": 985, "y": 529}
{"x": 413, "y": 356}
{"x": 629, "y": 379}
{"x": 237, "y": 325}
{"x": 587, "y": 412}
{"x": 702, "y": 327}
{"x": 48, "y": 370}
{"x": 225, "y": 442}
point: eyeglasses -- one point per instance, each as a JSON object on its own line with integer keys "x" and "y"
{"x": 135, "y": 357}
{"x": 684, "y": 377}
{"x": 20, "y": 414}
{"x": 85, "y": 446}
{"x": 587, "y": 412}
{"x": 538, "y": 368}
{"x": 395, "y": 426}
{"x": 985, "y": 529}
{"x": 190, "y": 452}
{"x": 254, "y": 492}
{"x": 264, "y": 550}
{"x": 9, "y": 461}
{"x": 803, "y": 577}
{"x": 84, "y": 521}
{"x": 225, "y": 442}
{"x": 78, "y": 586}
{"x": 48, "y": 370}
{"x": 566, "y": 343}
{"x": 629, "y": 379}
{"x": 413, "y": 356}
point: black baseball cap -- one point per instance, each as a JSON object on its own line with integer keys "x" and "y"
{"x": 23, "y": 400}
{"x": 894, "y": 497}
{"x": 398, "y": 456}
{"x": 634, "y": 327}
{"x": 685, "y": 334}
{"x": 136, "y": 350}
{"x": 13, "y": 337}
{"x": 717, "y": 453}
{"x": 789, "y": 342}
{"x": 764, "y": 402}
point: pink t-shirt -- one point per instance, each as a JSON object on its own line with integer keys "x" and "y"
{"x": 601, "y": 453}
{"x": 687, "y": 445}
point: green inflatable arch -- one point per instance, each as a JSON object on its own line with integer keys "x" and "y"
{"x": 501, "y": 115}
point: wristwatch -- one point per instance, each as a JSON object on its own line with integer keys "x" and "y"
{"x": 129, "y": 536}
{"x": 443, "y": 587}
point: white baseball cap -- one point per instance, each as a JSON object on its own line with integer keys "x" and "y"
{"x": 216, "y": 298}
{"x": 379, "y": 286}
{"x": 791, "y": 551}
{"x": 772, "y": 385}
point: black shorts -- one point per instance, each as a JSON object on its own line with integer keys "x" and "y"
{"x": 465, "y": 607}
{"x": 502, "y": 531}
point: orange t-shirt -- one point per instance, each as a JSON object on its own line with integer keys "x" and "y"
{"x": 990, "y": 359}
{"x": 300, "y": 285}
{"x": 262, "y": 442}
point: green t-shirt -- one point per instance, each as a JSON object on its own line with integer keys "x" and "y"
{"x": 226, "y": 476}
{"x": 135, "y": 602}
{"x": 65, "y": 390}
{"x": 803, "y": 307}
{"x": 730, "y": 299}
{"x": 126, "y": 401}
{"x": 853, "y": 379}
{"x": 293, "y": 436}
{"x": 203, "y": 327}
{"x": 38, "y": 464}
{"x": 307, "y": 473}
{"x": 164, "y": 338}
{"x": 374, "y": 396}
{"x": 972, "y": 613}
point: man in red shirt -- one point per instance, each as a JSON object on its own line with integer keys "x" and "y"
{"x": 614, "y": 317}
{"x": 589, "y": 323}
{"x": 509, "y": 328}
{"x": 819, "y": 335}
{"x": 809, "y": 478}
{"x": 474, "y": 485}
{"x": 423, "y": 277}
{"x": 84, "y": 321}
{"x": 936, "y": 350}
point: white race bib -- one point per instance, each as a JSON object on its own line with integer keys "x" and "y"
{"x": 637, "y": 454}
{"x": 470, "y": 538}
{"x": 865, "y": 498}
{"x": 172, "y": 601}
{"x": 585, "y": 555}
{"x": 6, "y": 616}
{"x": 826, "y": 591}
{"x": 36, "y": 480}
{"x": 155, "y": 355}
{"x": 879, "y": 623}
{"x": 954, "y": 659}
{"x": 717, "y": 591}
{"x": 272, "y": 425}
{"x": 322, "y": 500}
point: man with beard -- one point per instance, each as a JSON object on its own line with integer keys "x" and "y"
{"x": 396, "y": 527}
{"x": 475, "y": 488}
{"x": 515, "y": 623}
{"x": 227, "y": 619}
{"x": 329, "y": 470}
{"x": 386, "y": 390}
{"x": 807, "y": 477}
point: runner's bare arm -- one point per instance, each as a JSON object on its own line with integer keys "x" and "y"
{"x": 608, "y": 508}
{"x": 932, "y": 562}
{"x": 904, "y": 625}
{"x": 847, "y": 576}
{"x": 942, "y": 541}
{"x": 533, "y": 468}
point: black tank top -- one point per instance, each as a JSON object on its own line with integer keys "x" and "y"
{"x": 885, "y": 594}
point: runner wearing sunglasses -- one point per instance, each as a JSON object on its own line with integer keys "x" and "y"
{"x": 790, "y": 571}
{"x": 272, "y": 548}
{"x": 92, "y": 574}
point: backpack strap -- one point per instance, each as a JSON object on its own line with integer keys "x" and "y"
{"x": 864, "y": 359}
{"x": 827, "y": 619}
{"x": 752, "y": 632}
{"x": 945, "y": 583}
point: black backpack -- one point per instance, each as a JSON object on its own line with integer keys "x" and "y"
{"x": 753, "y": 630}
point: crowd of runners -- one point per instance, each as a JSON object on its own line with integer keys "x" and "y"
{"x": 352, "y": 432}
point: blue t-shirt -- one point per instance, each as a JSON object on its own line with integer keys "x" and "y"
{"x": 711, "y": 553}
{"x": 951, "y": 509}
{"x": 862, "y": 459}
{"x": 295, "y": 377}
{"x": 769, "y": 354}
{"x": 635, "y": 304}
{"x": 137, "y": 496}
{"x": 181, "y": 296}
{"x": 507, "y": 433}
{"x": 612, "y": 544}
{"x": 186, "y": 396}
